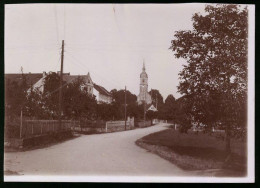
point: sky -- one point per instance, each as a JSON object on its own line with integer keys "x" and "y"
{"x": 110, "y": 41}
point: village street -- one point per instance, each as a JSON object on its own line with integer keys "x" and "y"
{"x": 99, "y": 154}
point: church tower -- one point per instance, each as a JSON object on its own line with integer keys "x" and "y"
{"x": 144, "y": 96}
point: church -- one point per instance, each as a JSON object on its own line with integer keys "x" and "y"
{"x": 144, "y": 96}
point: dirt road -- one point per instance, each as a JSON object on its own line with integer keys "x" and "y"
{"x": 99, "y": 154}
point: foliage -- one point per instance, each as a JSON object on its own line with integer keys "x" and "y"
{"x": 157, "y": 100}
{"x": 15, "y": 96}
{"x": 34, "y": 105}
{"x": 77, "y": 103}
{"x": 170, "y": 107}
{"x": 51, "y": 93}
{"x": 118, "y": 105}
{"x": 215, "y": 76}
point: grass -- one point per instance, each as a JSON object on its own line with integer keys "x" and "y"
{"x": 197, "y": 151}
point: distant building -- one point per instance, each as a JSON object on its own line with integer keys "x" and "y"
{"x": 102, "y": 95}
{"x": 36, "y": 81}
{"x": 31, "y": 78}
{"x": 144, "y": 96}
{"x": 152, "y": 108}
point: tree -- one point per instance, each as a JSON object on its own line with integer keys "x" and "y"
{"x": 77, "y": 102}
{"x": 51, "y": 93}
{"x": 34, "y": 105}
{"x": 215, "y": 77}
{"x": 157, "y": 101}
{"x": 119, "y": 96}
{"x": 170, "y": 107}
{"x": 119, "y": 104}
{"x": 15, "y": 96}
{"x": 156, "y": 97}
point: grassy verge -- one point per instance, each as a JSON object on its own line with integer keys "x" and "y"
{"x": 197, "y": 151}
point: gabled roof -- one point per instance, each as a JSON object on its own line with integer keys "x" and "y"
{"x": 31, "y": 78}
{"x": 102, "y": 90}
{"x": 71, "y": 78}
{"x": 152, "y": 108}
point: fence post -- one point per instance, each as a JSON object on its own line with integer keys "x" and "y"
{"x": 21, "y": 126}
{"x": 106, "y": 126}
{"x": 53, "y": 127}
{"x": 41, "y": 128}
{"x": 32, "y": 128}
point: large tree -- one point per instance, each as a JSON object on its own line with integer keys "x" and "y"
{"x": 215, "y": 76}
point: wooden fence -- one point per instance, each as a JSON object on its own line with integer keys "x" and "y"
{"x": 100, "y": 126}
{"x": 119, "y": 125}
{"x": 31, "y": 128}
{"x": 92, "y": 123}
{"x": 141, "y": 123}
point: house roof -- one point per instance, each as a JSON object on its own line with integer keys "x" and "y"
{"x": 102, "y": 90}
{"x": 71, "y": 78}
{"x": 31, "y": 78}
{"x": 152, "y": 108}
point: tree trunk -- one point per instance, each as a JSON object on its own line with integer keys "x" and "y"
{"x": 228, "y": 148}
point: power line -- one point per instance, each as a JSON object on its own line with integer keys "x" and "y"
{"x": 115, "y": 83}
{"x": 64, "y": 29}
{"x": 56, "y": 20}
{"x": 103, "y": 72}
{"x": 84, "y": 66}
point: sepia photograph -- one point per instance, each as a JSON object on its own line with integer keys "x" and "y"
{"x": 129, "y": 93}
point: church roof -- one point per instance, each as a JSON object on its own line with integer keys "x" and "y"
{"x": 143, "y": 74}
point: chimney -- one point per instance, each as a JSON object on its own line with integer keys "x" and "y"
{"x": 44, "y": 74}
{"x": 58, "y": 72}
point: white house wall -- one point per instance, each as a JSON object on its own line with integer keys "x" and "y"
{"x": 96, "y": 93}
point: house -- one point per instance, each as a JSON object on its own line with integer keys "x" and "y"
{"x": 31, "y": 78}
{"x": 102, "y": 95}
{"x": 36, "y": 81}
{"x": 152, "y": 108}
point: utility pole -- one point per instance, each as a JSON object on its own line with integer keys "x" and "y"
{"x": 125, "y": 107}
{"x": 60, "y": 90}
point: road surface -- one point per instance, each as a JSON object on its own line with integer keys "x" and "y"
{"x": 99, "y": 154}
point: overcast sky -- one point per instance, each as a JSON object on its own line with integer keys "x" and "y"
{"x": 109, "y": 40}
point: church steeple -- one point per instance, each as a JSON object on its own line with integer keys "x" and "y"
{"x": 144, "y": 95}
{"x": 143, "y": 66}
